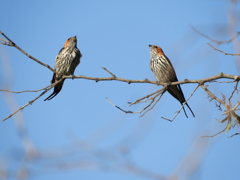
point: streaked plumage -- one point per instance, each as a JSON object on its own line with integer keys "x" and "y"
{"x": 66, "y": 62}
{"x": 164, "y": 72}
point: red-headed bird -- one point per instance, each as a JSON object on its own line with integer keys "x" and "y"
{"x": 66, "y": 62}
{"x": 164, "y": 72}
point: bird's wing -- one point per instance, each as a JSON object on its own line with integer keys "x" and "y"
{"x": 172, "y": 75}
{"x": 78, "y": 56}
{"x": 59, "y": 57}
{"x": 74, "y": 59}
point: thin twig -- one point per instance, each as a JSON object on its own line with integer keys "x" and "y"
{"x": 119, "y": 107}
{"x": 25, "y": 90}
{"x": 161, "y": 94}
{"x": 215, "y": 134}
{"x": 146, "y": 107}
{"x": 11, "y": 43}
{"x": 32, "y": 101}
{"x": 147, "y": 97}
{"x": 113, "y": 75}
{"x": 234, "y": 135}
{"x": 4, "y": 42}
{"x": 222, "y": 51}
{"x": 29, "y": 103}
{"x": 182, "y": 105}
{"x": 213, "y": 96}
{"x": 213, "y": 40}
{"x": 225, "y": 81}
{"x": 233, "y": 109}
{"x": 235, "y": 88}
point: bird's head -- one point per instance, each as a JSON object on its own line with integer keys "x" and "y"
{"x": 72, "y": 41}
{"x": 156, "y": 50}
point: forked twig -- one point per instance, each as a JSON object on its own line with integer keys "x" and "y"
{"x": 32, "y": 101}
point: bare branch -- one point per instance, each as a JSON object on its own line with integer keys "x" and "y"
{"x": 222, "y": 51}
{"x": 32, "y": 101}
{"x": 147, "y": 97}
{"x": 234, "y": 135}
{"x": 215, "y": 134}
{"x": 235, "y": 88}
{"x": 185, "y": 81}
{"x": 119, "y": 107}
{"x": 218, "y": 42}
{"x": 17, "y": 92}
{"x": 113, "y": 75}
{"x": 148, "y": 109}
{"x": 150, "y": 97}
{"x": 11, "y": 43}
{"x": 212, "y": 95}
{"x": 233, "y": 109}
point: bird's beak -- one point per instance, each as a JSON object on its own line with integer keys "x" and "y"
{"x": 150, "y": 45}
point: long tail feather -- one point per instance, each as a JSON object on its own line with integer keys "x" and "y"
{"x": 57, "y": 89}
{"x": 190, "y": 109}
{"x": 185, "y": 112}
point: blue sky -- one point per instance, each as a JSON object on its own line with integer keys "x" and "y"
{"x": 79, "y": 128}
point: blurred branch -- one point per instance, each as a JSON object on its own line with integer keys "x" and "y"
{"x": 222, "y": 51}
{"x": 213, "y": 40}
{"x": 233, "y": 19}
{"x": 229, "y": 112}
{"x": 215, "y": 134}
{"x": 234, "y": 135}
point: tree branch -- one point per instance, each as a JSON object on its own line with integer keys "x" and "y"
{"x": 222, "y": 51}
{"x": 185, "y": 81}
{"x": 213, "y": 40}
{"x": 11, "y": 43}
{"x": 32, "y": 101}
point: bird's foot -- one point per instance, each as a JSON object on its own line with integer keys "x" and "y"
{"x": 73, "y": 76}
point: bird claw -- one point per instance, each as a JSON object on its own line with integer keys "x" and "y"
{"x": 73, "y": 76}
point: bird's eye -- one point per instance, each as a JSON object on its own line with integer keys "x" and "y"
{"x": 155, "y": 47}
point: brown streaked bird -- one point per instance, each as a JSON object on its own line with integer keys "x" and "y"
{"x": 66, "y": 62}
{"x": 164, "y": 72}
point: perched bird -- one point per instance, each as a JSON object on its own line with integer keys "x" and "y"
{"x": 66, "y": 62}
{"x": 164, "y": 72}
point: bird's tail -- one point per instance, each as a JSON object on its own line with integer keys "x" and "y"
{"x": 57, "y": 89}
{"x": 185, "y": 111}
{"x": 189, "y": 109}
{"x": 177, "y": 93}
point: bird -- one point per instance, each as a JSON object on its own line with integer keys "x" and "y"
{"x": 66, "y": 62}
{"x": 163, "y": 70}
